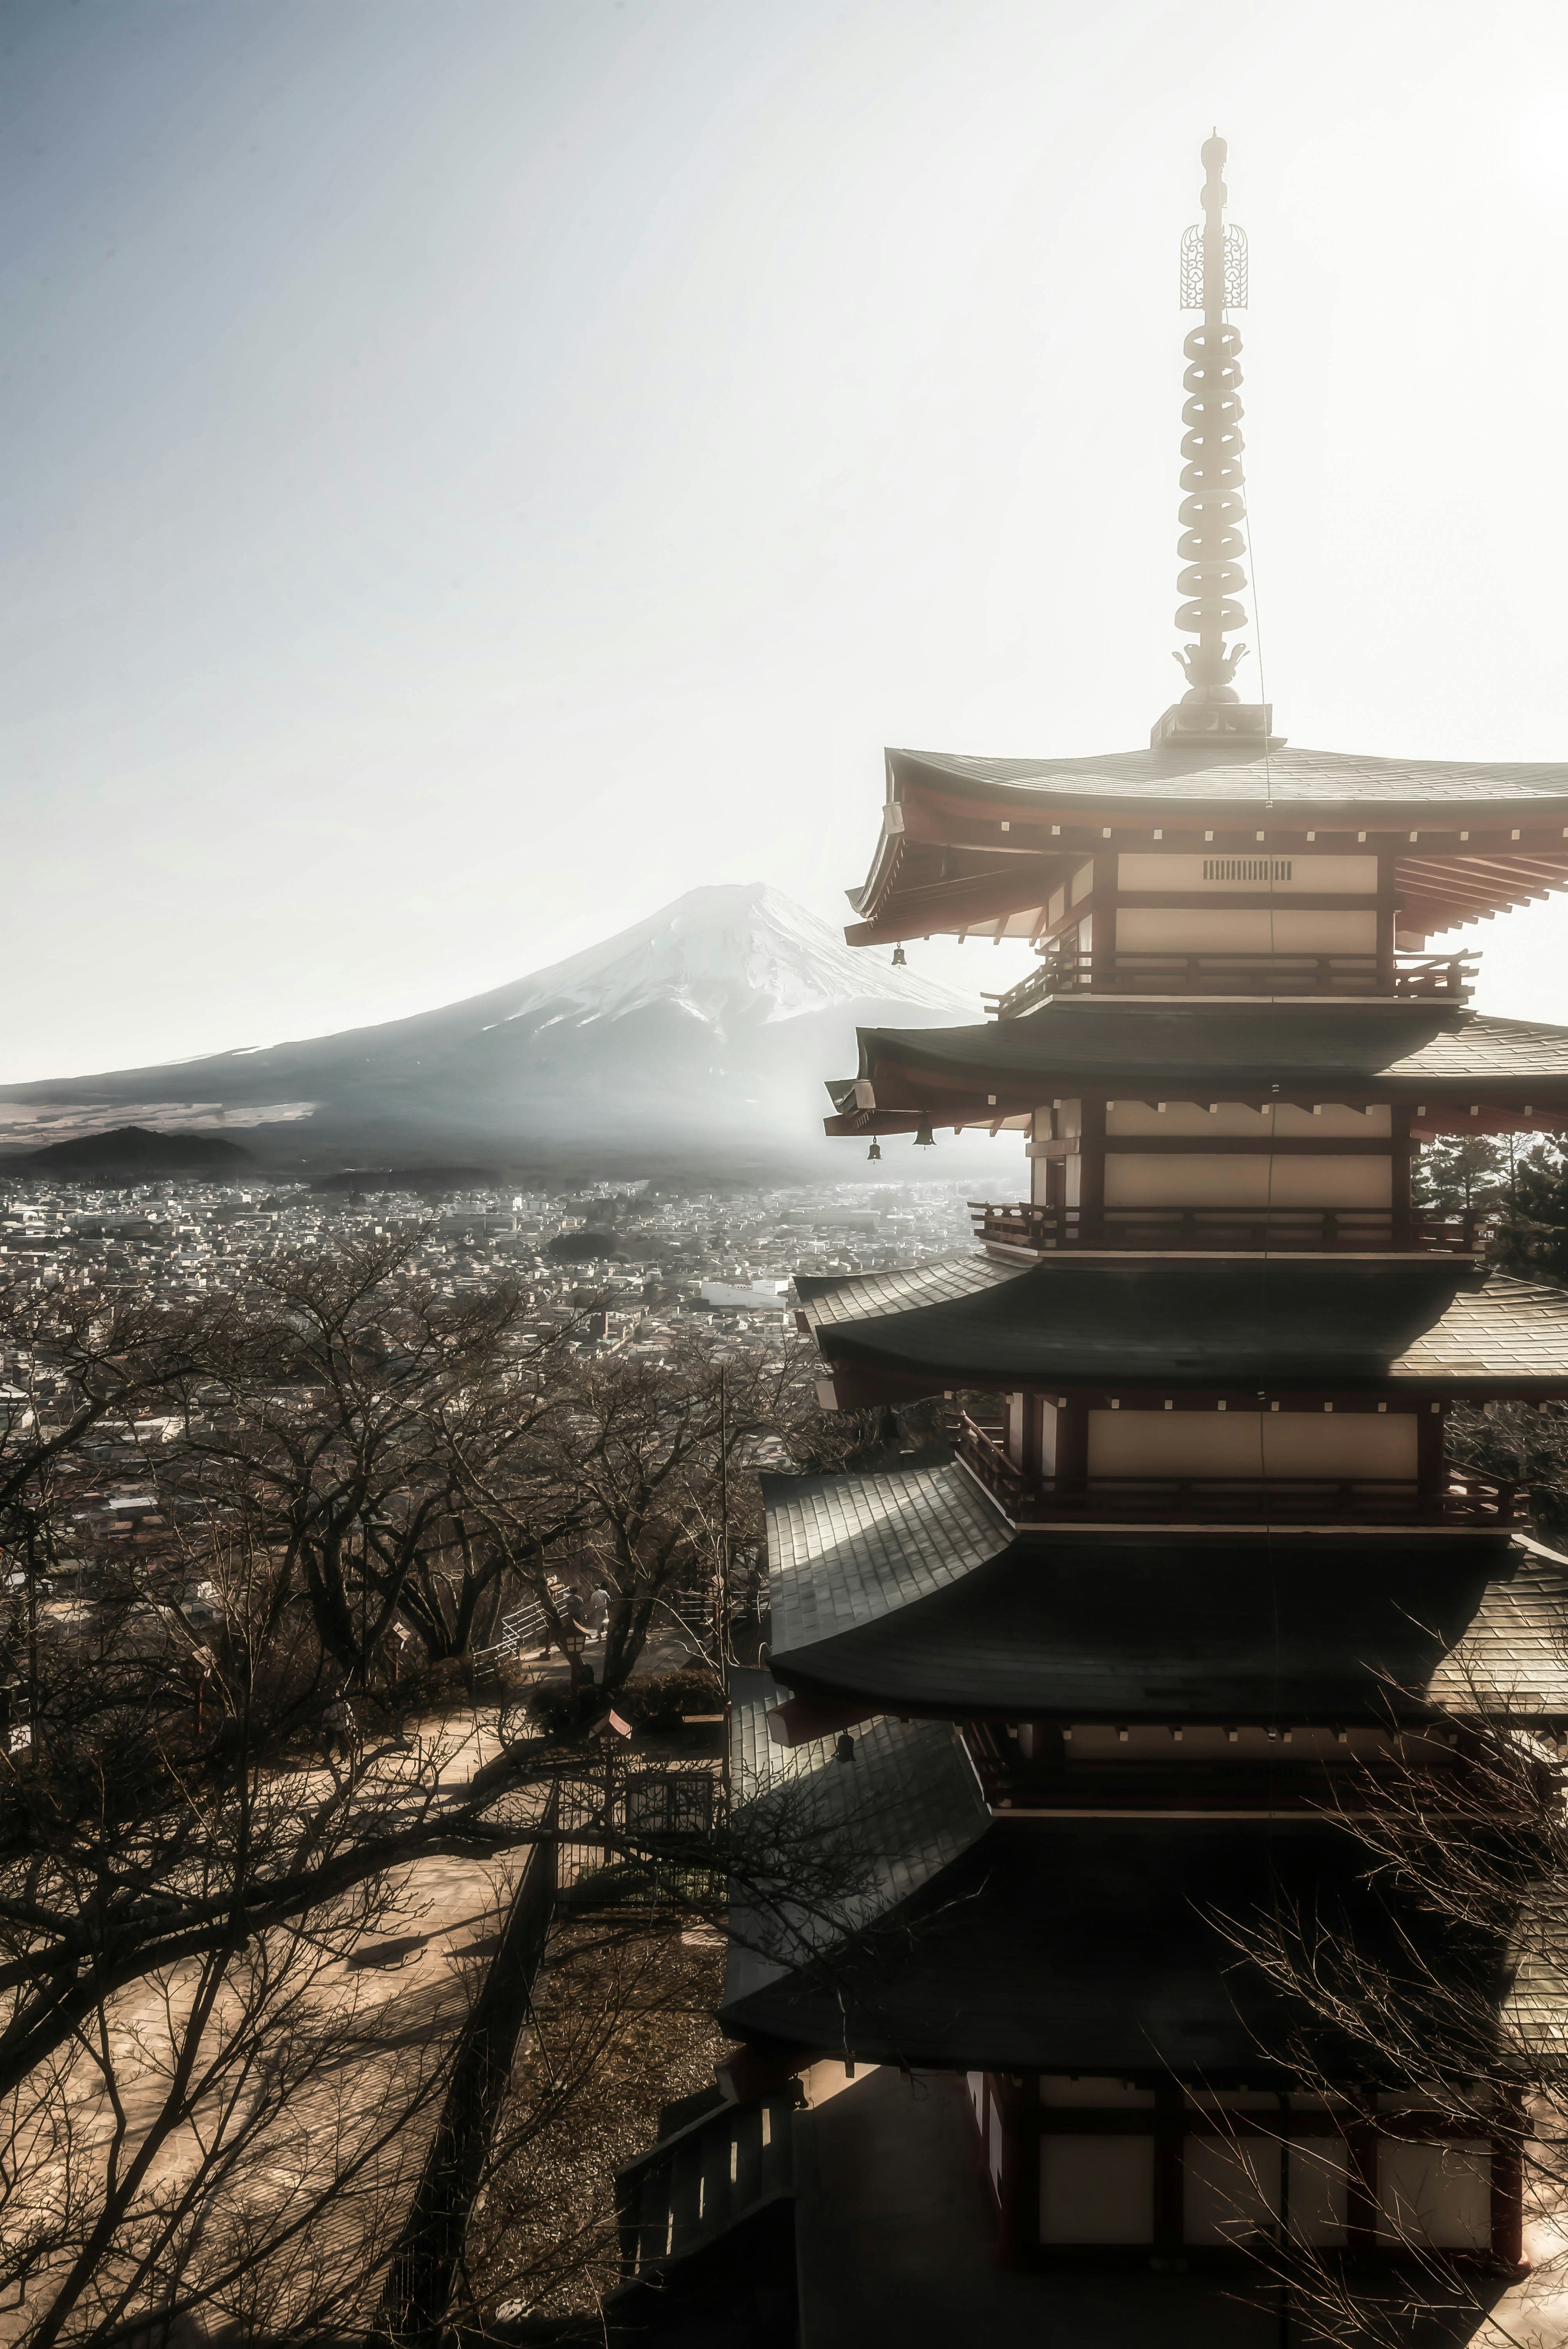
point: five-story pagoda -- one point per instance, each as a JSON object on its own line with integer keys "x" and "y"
{"x": 1201, "y": 1556}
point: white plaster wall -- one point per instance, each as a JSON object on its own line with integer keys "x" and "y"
{"x": 1229, "y": 2188}
{"x": 1250, "y": 1443}
{"x": 1196, "y": 1179}
{"x": 1440, "y": 2194}
{"x": 1159, "y": 929}
{"x": 1096, "y": 2190}
{"x": 1018, "y": 1408}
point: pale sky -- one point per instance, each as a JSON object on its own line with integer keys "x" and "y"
{"x": 482, "y": 467}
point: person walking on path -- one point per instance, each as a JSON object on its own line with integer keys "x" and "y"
{"x": 338, "y": 1727}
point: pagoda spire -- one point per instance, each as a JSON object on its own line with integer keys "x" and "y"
{"x": 1214, "y": 503}
{"x": 1213, "y": 279}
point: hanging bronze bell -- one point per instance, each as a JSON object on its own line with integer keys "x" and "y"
{"x": 875, "y": 1150}
{"x": 899, "y": 958}
{"x": 925, "y": 1139}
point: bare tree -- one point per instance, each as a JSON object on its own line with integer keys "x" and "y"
{"x": 383, "y": 1451}
{"x": 623, "y": 2025}
{"x": 185, "y": 1885}
{"x": 1454, "y": 2019}
{"x": 658, "y": 1453}
{"x": 181, "y": 2149}
{"x": 1524, "y": 1443}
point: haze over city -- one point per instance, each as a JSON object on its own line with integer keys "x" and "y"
{"x": 480, "y": 471}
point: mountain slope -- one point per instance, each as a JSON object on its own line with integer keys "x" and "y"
{"x": 709, "y": 1027}
{"x": 731, "y": 957}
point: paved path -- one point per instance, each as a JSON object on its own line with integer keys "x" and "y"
{"x": 398, "y": 1998}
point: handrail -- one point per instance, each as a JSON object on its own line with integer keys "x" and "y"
{"x": 1409, "y": 978}
{"x": 1043, "y": 1229}
{"x": 426, "y": 2262}
{"x": 1466, "y": 1497}
{"x": 1243, "y": 1782}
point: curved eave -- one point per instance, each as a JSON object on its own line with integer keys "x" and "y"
{"x": 1093, "y": 1947}
{"x": 1456, "y": 1072}
{"x": 1147, "y": 1328}
{"x": 827, "y": 1298}
{"x": 903, "y": 1593}
{"x": 976, "y": 846}
{"x": 1294, "y": 785}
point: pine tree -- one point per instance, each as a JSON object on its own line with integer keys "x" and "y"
{"x": 1454, "y": 1175}
{"x": 1533, "y": 1238}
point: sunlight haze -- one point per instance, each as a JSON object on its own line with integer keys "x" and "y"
{"x": 480, "y": 471}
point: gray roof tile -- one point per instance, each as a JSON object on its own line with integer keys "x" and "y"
{"x": 874, "y": 1832}
{"x": 842, "y": 1550}
{"x": 830, "y": 1297}
{"x": 1287, "y": 776}
{"x": 906, "y": 1588}
{"x": 1095, "y": 1946}
{"x": 1273, "y": 1325}
{"x": 1224, "y": 1049}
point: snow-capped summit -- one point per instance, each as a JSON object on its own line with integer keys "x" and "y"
{"x": 732, "y": 955}
{"x": 704, "y": 1032}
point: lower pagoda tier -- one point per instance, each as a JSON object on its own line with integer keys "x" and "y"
{"x": 1052, "y": 1946}
{"x": 1177, "y": 1128}
{"x": 1449, "y": 1071}
{"x": 1156, "y": 1327}
{"x": 1135, "y": 2075}
{"x": 908, "y": 1592}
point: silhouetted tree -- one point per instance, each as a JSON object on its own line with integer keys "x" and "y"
{"x": 1456, "y": 2021}
{"x": 1533, "y": 1238}
{"x": 1455, "y": 1174}
{"x": 382, "y": 1449}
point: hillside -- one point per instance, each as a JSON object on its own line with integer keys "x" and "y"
{"x": 132, "y": 1151}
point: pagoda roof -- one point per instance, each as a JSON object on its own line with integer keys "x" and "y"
{"x": 1247, "y": 774}
{"x": 828, "y": 1297}
{"x": 908, "y": 1589}
{"x": 1397, "y": 1057}
{"x": 1059, "y": 1945}
{"x": 976, "y": 845}
{"x": 1165, "y": 1326}
{"x": 908, "y": 1807}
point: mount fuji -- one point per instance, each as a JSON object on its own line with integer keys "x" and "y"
{"x": 700, "y": 1035}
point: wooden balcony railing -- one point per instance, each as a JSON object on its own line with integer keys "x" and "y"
{"x": 1244, "y": 1784}
{"x": 1466, "y": 1497}
{"x": 1426, "y": 979}
{"x": 1344, "y": 1230}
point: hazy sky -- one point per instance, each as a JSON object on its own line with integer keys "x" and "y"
{"x": 483, "y": 467}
